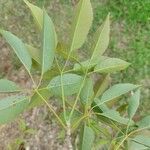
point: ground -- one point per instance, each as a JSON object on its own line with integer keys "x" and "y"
{"x": 130, "y": 40}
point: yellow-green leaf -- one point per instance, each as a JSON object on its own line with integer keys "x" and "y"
{"x": 110, "y": 65}
{"x": 81, "y": 24}
{"x": 37, "y": 14}
{"x": 101, "y": 39}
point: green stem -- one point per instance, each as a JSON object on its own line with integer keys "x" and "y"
{"x": 76, "y": 100}
{"x": 63, "y": 97}
{"x": 51, "y": 109}
{"x": 78, "y": 121}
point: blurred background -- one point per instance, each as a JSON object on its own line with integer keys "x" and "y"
{"x": 130, "y": 37}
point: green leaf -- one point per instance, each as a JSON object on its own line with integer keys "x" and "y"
{"x": 81, "y": 24}
{"x": 36, "y": 99}
{"x": 133, "y": 104}
{"x": 11, "y": 107}
{"x": 144, "y": 123}
{"x": 19, "y": 48}
{"x": 37, "y": 14}
{"x": 117, "y": 91}
{"x": 87, "y": 138}
{"x": 101, "y": 39}
{"x": 115, "y": 116}
{"x": 111, "y": 65}
{"x": 8, "y": 86}
{"x": 140, "y": 142}
{"x": 109, "y": 113}
{"x": 70, "y": 82}
{"x": 34, "y": 53}
{"x": 87, "y": 92}
{"x": 99, "y": 108}
{"x": 49, "y": 43}
{"x": 101, "y": 86}
{"x": 136, "y": 146}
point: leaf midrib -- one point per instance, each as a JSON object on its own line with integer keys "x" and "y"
{"x": 126, "y": 65}
{"x": 26, "y": 98}
{"x": 117, "y": 96}
{"x": 43, "y": 60}
{"x": 61, "y": 85}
